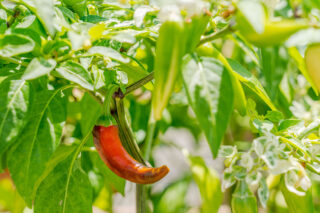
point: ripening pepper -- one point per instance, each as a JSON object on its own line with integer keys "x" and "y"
{"x": 111, "y": 151}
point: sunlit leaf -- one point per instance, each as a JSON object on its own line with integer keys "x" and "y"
{"x": 205, "y": 81}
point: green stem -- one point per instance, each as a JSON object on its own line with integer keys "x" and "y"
{"x": 129, "y": 143}
{"x": 139, "y": 83}
{"x": 15, "y": 61}
{"x": 216, "y": 35}
{"x": 140, "y": 199}
{"x": 149, "y": 139}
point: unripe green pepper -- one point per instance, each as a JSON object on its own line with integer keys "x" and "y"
{"x": 258, "y": 29}
{"x": 78, "y": 6}
{"x": 312, "y": 60}
{"x": 170, "y": 49}
{"x": 243, "y": 200}
{"x": 275, "y": 32}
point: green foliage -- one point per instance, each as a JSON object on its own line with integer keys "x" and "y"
{"x": 236, "y": 72}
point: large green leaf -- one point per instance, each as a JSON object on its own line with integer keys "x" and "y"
{"x": 273, "y": 62}
{"x": 89, "y": 117}
{"x": 208, "y": 182}
{"x": 108, "y": 52}
{"x": 74, "y": 72}
{"x": 15, "y": 44}
{"x": 251, "y": 81}
{"x": 37, "y": 142}
{"x": 210, "y": 94}
{"x": 44, "y": 10}
{"x": 68, "y": 186}
{"x": 38, "y": 67}
{"x": 14, "y": 99}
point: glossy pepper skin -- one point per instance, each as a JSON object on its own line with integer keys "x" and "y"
{"x": 111, "y": 151}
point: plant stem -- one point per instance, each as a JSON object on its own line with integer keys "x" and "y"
{"x": 140, "y": 199}
{"x": 216, "y": 35}
{"x": 149, "y": 138}
{"x": 131, "y": 146}
{"x": 15, "y": 61}
{"x": 139, "y": 83}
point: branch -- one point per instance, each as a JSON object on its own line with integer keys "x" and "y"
{"x": 216, "y": 35}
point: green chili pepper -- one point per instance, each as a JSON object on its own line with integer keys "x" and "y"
{"x": 170, "y": 49}
{"x": 261, "y": 31}
{"x": 243, "y": 200}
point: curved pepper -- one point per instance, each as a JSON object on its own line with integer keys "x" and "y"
{"x": 111, "y": 151}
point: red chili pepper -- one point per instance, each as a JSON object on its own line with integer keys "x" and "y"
{"x": 111, "y": 151}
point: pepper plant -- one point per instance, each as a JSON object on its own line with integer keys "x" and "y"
{"x": 242, "y": 76}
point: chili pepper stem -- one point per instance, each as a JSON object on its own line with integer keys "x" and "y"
{"x": 133, "y": 150}
{"x": 140, "y": 199}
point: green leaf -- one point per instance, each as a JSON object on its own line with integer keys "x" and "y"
{"x": 108, "y": 52}
{"x": 33, "y": 24}
{"x": 296, "y": 203}
{"x": 273, "y": 65}
{"x": 78, "y": 6}
{"x": 111, "y": 179}
{"x": 38, "y": 67}
{"x": 37, "y": 142}
{"x": 251, "y": 81}
{"x": 240, "y": 101}
{"x": 263, "y": 192}
{"x": 194, "y": 29}
{"x": 15, "y": 44}
{"x": 251, "y": 16}
{"x": 89, "y": 117}
{"x": 173, "y": 198}
{"x": 210, "y": 95}
{"x": 14, "y": 99}
{"x": 99, "y": 80}
{"x": 301, "y": 64}
{"x": 74, "y": 72}
{"x": 93, "y": 18}
{"x": 208, "y": 182}
{"x": 44, "y": 10}
{"x": 67, "y": 188}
